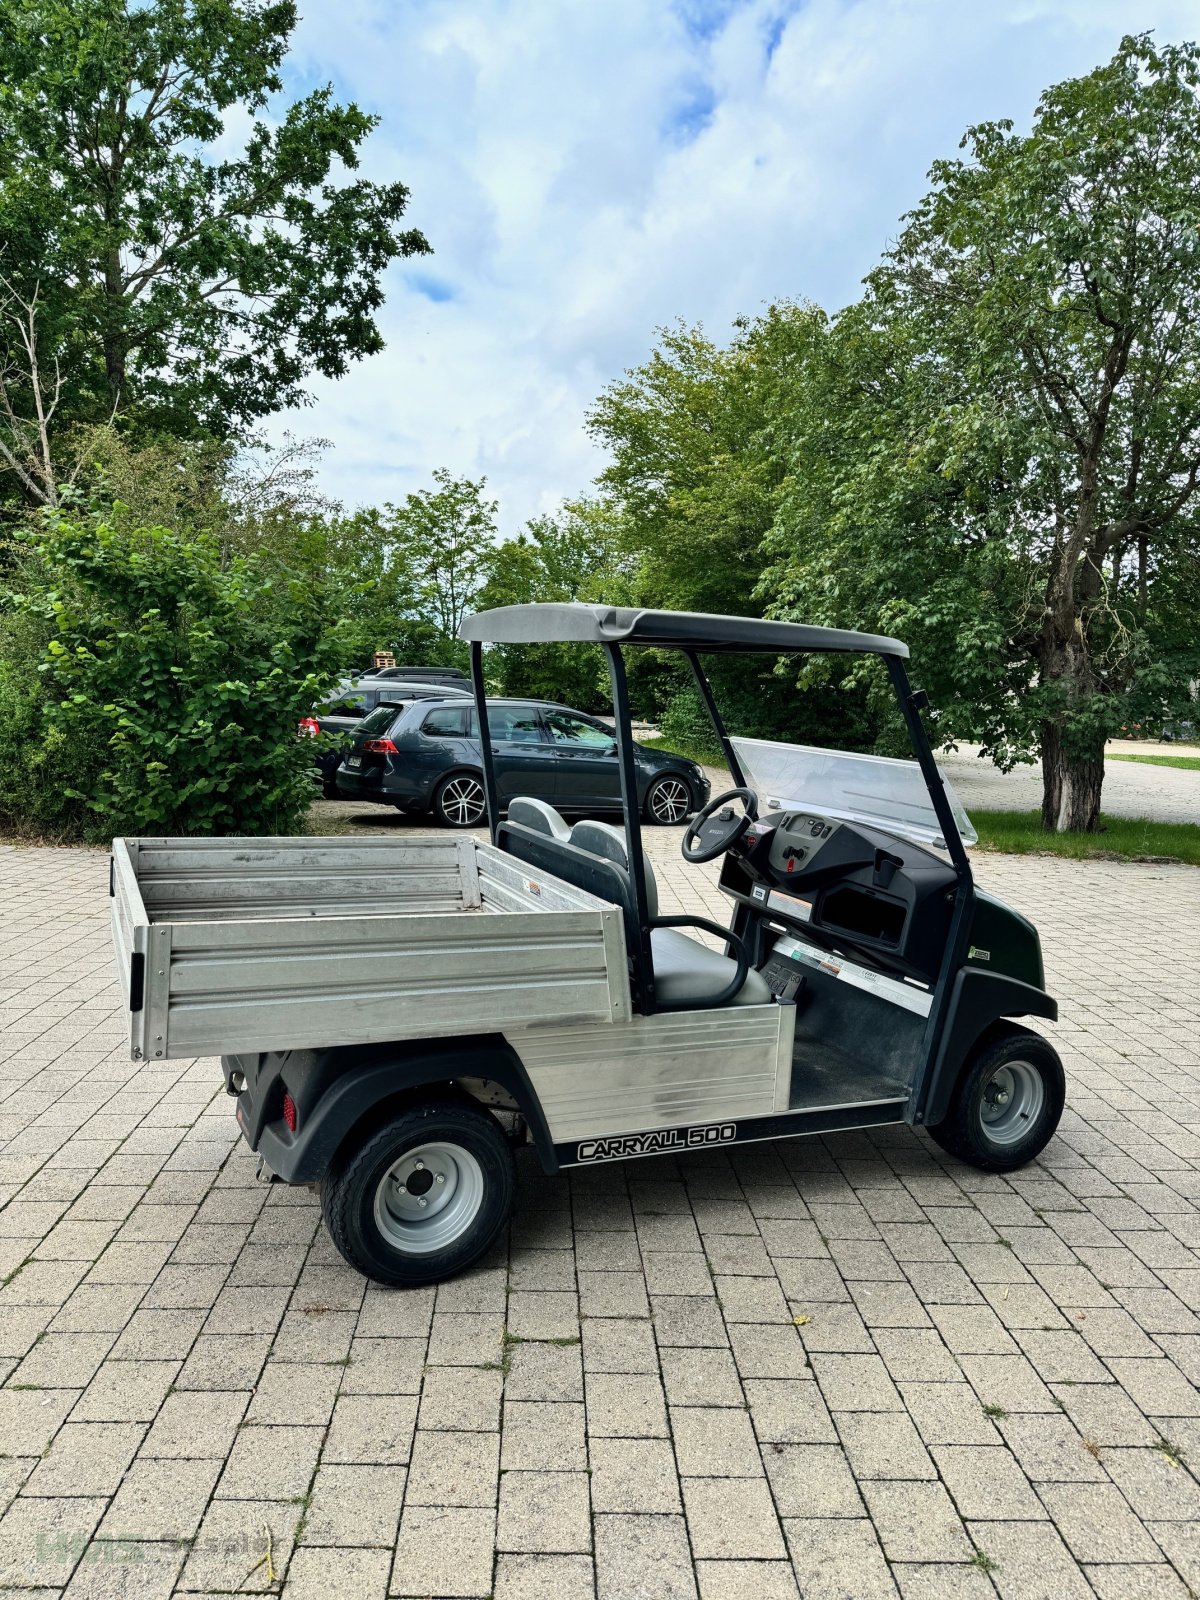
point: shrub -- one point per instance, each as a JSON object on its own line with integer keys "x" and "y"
{"x": 167, "y": 689}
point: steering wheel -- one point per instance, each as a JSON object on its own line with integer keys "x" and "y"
{"x": 714, "y": 830}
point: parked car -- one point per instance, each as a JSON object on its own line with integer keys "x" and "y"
{"x": 421, "y": 674}
{"x": 426, "y": 758}
{"x": 341, "y": 715}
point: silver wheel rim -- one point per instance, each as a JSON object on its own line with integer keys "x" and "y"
{"x": 1012, "y": 1102}
{"x": 463, "y": 801}
{"x": 670, "y": 800}
{"x": 429, "y": 1198}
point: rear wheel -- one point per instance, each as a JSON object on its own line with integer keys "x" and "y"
{"x": 669, "y": 800}
{"x": 1008, "y": 1102}
{"x": 423, "y": 1197}
{"x": 460, "y": 801}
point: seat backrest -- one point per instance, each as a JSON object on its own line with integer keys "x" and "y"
{"x": 538, "y": 815}
{"x": 534, "y": 832}
{"x": 602, "y": 839}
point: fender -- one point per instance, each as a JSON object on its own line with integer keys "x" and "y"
{"x": 978, "y": 1000}
{"x": 334, "y": 1088}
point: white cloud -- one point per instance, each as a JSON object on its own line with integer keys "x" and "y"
{"x": 589, "y": 169}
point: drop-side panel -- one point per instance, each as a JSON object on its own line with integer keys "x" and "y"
{"x": 130, "y": 926}
{"x": 661, "y": 1071}
{"x": 188, "y": 880}
{"x": 239, "y": 987}
{"x": 235, "y": 945}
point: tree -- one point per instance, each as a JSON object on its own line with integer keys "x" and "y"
{"x": 580, "y": 554}
{"x": 185, "y": 291}
{"x": 447, "y": 537}
{"x": 700, "y": 437}
{"x": 689, "y": 470}
{"x": 1002, "y": 441}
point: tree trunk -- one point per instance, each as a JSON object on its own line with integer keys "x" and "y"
{"x": 1071, "y": 785}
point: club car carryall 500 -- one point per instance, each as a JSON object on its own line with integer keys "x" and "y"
{"x": 393, "y": 1014}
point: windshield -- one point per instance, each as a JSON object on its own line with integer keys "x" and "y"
{"x": 877, "y": 790}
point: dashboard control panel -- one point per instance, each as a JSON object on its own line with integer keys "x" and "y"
{"x": 798, "y": 838}
{"x": 849, "y": 885}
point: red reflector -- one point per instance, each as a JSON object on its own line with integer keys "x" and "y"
{"x": 380, "y": 747}
{"x": 289, "y": 1112}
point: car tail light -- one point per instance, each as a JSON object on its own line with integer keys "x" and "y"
{"x": 380, "y": 747}
{"x": 289, "y": 1112}
{"x": 310, "y": 727}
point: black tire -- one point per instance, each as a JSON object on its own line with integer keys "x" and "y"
{"x": 1008, "y": 1102}
{"x": 669, "y": 800}
{"x": 454, "y": 803}
{"x": 369, "y": 1209}
{"x": 329, "y": 789}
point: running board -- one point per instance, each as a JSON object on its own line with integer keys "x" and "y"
{"x": 749, "y": 1130}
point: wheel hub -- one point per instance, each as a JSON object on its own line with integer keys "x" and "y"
{"x": 1012, "y": 1101}
{"x": 429, "y": 1197}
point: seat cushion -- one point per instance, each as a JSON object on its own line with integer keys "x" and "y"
{"x": 685, "y": 970}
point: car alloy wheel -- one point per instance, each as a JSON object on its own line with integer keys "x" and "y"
{"x": 461, "y": 801}
{"x": 669, "y": 801}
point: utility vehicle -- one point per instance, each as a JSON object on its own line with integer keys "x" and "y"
{"x": 393, "y": 1014}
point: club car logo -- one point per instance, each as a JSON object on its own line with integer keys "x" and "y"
{"x": 621, "y": 1145}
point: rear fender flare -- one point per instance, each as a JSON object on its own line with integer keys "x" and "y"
{"x": 337, "y": 1089}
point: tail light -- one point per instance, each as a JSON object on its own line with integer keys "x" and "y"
{"x": 380, "y": 747}
{"x": 309, "y": 727}
{"x": 289, "y": 1113}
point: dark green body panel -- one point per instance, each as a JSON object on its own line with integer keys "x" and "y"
{"x": 1001, "y": 977}
{"x": 1002, "y": 940}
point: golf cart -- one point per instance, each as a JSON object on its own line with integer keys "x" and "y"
{"x": 394, "y": 1014}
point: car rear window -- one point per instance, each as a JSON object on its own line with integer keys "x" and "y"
{"x": 447, "y": 722}
{"x": 377, "y": 721}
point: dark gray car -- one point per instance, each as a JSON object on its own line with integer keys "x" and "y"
{"x": 340, "y": 716}
{"x": 426, "y": 758}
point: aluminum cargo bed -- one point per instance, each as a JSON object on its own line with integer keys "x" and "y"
{"x": 231, "y": 945}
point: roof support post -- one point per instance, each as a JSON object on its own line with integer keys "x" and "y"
{"x": 485, "y": 738}
{"x": 714, "y": 716}
{"x": 919, "y": 740}
{"x": 642, "y": 959}
{"x": 964, "y": 896}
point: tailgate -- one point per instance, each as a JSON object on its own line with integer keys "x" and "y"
{"x": 131, "y": 937}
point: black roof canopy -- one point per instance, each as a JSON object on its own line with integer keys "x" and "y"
{"x": 670, "y": 630}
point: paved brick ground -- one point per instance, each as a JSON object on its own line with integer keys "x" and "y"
{"x": 994, "y": 1390}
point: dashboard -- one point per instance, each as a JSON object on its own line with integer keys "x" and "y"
{"x": 848, "y": 886}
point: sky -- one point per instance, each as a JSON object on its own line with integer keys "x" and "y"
{"x": 590, "y": 170}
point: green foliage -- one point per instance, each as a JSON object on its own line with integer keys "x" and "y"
{"x": 408, "y": 574}
{"x": 994, "y": 453}
{"x": 579, "y": 555}
{"x": 150, "y": 687}
{"x": 188, "y": 290}
{"x": 700, "y": 440}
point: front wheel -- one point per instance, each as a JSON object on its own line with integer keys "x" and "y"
{"x": 460, "y": 801}
{"x": 669, "y": 800}
{"x": 1007, "y": 1104}
{"x": 422, "y": 1198}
